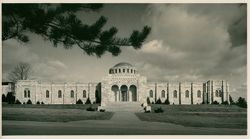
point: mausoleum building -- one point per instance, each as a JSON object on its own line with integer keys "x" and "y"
{"x": 123, "y": 83}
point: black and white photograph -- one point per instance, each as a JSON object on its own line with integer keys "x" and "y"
{"x": 124, "y": 69}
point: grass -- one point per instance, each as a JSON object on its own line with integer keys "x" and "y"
{"x": 50, "y": 113}
{"x": 218, "y": 116}
{"x": 52, "y": 106}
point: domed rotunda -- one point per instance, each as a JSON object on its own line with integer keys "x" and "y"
{"x": 123, "y": 68}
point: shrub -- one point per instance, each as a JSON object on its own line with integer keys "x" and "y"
{"x": 18, "y": 102}
{"x": 29, "y": 102}
{"x": 225, "y": 103}
{"x": 158, "y": 101}
{"x": 147, "y": 111}
{"x": 102, "y": 110}
{"x": 10, "y": 98}
{"x": 38, "y": 102}
{"x": 90, "y": 109}
{"x": 79, "y": 101}
{"x": 24, "y": 103}
{"x": 241, "y": 102}
{"x": 159, "y": 110}
{"x": 4, "y": 98}
{"x": 167, "y": 102}
{"x": 231, "y": 100}
{"x": 215, "y": 102}
{"x": 203, "y": 102}
{"x": 148, "y": 100}
{"x": 42, "y": 103}
{"x": 88, "y": 101}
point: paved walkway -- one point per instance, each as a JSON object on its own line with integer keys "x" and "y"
{"x": 125, "y": 117}
{"x": 122, "y": 123}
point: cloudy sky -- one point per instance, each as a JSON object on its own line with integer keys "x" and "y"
{"x": 188, "y": 42}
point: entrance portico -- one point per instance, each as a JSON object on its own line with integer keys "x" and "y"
{"x": 124, "y": 93}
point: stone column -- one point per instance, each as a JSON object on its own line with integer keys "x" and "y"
{"x": 192, "y": 101}
{"x": 119, "y": 95}
{"x": 128, "y": 92}
{"x": 212, "y": 92}
{"x": 51, "y": 93}
{"x": 179, "y": 93}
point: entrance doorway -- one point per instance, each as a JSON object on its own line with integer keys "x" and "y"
{"x": 124, "y": 96}
{"x": 124, "y": 93}
{"x": 133, "y": 91}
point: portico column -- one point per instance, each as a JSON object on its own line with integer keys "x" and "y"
{"x": 128, "y": 95}
{"x": 119, "y": 95}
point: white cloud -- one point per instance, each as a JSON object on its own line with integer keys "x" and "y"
{"x": 192, "y": 42}
{"x": 188, "y": 42}
{"x": 57, "y": 63}
{"x": 42, "y": 67}
{"x": 154, "y": 46}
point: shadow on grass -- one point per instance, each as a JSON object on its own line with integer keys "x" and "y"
{"x": 52, "y": 115}
{"x": 199, "y": 116}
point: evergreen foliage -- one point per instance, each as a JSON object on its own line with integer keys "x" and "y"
{"x": 10, "y": 98}
{"x": 4, "y": 98}
{"x": 59, "y": 24}
{"x": 29, "y": 102}
{"x": 167, "y": 102}
{"x": 88, "y": 101}
{"x": 241, "y": 102}
{"x": 79, "y": 101}
{"x": 158, "y": 101}
{"x": 231, "y": 100}
{"x": 17, "y": 102}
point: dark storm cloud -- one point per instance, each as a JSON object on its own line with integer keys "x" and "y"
{"x": 192, "y": 42}
{"x": 238, "y": 29}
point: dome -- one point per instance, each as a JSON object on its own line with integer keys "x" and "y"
{"x": 123, "y": 68}
{"x": 123, "y": 64}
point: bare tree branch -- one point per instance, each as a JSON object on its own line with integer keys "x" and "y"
{"x": 20, "y": 72}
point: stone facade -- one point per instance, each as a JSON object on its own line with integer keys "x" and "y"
{"x": 55, "y": 93}
{"x": 7, "y": 87}
{"x": 123, "y": 83}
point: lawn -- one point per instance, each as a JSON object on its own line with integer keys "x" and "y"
{"x": 218, "y": 116}
{"x": 52, "y": 106}
{"x": 50, "y": 113}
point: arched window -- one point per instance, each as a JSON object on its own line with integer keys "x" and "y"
{"x": 131, "y": 70}
{"x": 151, "y": 94}
{"x": 119, "y": 70}
{"x": 163, "y": 94}
{"x": 59, "y": 94}
{"x": 217, "y": 93}
{"x": 127, "y": 70}
{"x": 47, "y": 93}
{"x": 25, "y": 93}
{"x": 123, "y": 70}
{"x": 115, "y": 70}
{"x": 28, "y": 93}
{"x": 84, "y": 94}
{"x": 72, "y": 93}
{"x": 111, "y": 71}
{"x": 134, "y": 71}
{"x": 220, "y": 93}
{"x": 199, "y": 93}
{"x": 186, "y": 93}
{"x": 175, "y": 94}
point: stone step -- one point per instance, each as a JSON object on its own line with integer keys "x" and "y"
{"x": 124, "y": 106}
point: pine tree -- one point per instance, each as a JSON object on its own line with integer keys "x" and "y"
{"x": 59, "y": 24}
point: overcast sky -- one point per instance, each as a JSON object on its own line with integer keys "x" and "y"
{"x": 188, "y": 42}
